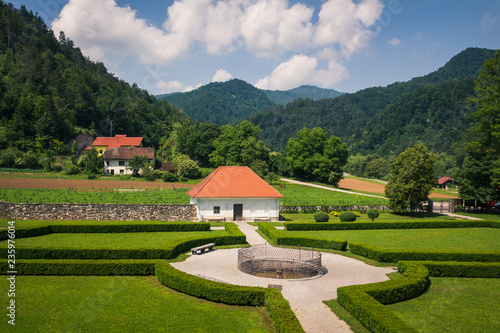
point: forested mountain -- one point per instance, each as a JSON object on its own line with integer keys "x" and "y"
{"x": 312, "y": 92}
{"x": 220, "y": 102}
{"x": 50, "y": 91}
{"x": 437, "y": 98}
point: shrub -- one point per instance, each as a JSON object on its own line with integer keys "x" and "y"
{"x": 373, "y": 214}
{"x": 169, "y": 177}
{"x": 334, "y": 213}
{"x": 347, "y": 217}
{"x": 321, "y": 217}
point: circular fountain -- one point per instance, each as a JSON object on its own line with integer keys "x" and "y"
{"x": 280, "y": 263}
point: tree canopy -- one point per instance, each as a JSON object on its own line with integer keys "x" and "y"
{"x": 411, "y": 179}
{"x": 314, "y": 156}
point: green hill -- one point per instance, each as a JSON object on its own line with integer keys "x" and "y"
{"x": 360, "y": 118}
{"x": 305, "y": 91}
{"x": 220, "y": 102}
{"x": 49, "y": 90}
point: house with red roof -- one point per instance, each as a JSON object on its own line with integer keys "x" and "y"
{"x": 116, "y": 159}
{"x": 446, "y": 182}
{"x": 104, "y": 143}
{"x": 235, "y": 193}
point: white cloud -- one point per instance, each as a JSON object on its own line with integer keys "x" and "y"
{"x": 266, "y": 28}
{"x": 221, "y": 76}
{"x": 395, "y": 41}
{"x": 169, "y": 86}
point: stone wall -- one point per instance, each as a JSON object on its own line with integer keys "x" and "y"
{"x": 107, "y": 212}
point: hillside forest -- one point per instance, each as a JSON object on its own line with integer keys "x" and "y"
{"x": 51, "y": 94}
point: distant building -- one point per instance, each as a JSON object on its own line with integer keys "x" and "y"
{"x": 104, "y": 143}
{"x": 116, "y": 159}
{"x": 167, "y": 166}
{"x": 235, "y": 193}
{"x": 445, "y": 182}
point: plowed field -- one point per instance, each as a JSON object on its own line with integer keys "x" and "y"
{"x": 359, "y": 185}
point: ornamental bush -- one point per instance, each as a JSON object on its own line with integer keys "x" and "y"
{"x": 373, "y": 214}
{"x": 321, "y": 217}
{"x": 169, "y": 177}
{"x": 347, "y": 217}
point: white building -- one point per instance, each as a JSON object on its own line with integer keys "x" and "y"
{"x": 116, "y": 159}
{"x": 235, "y": 193}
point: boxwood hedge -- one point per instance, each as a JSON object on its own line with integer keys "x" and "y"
{"x": 277, "y": 237}
{"x": 296, "y": 226}
{"x": 457, "y": 269}
{"x": 389, "y": 255}
{"x": 81, "y": 267}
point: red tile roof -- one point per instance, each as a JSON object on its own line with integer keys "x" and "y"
{"x": 233, "y": 182}
{"x": 443, "y": 180}
{"x": 127, "y": 153}
{"x": 167, "y": 166}
{"x": 117, "y": 141}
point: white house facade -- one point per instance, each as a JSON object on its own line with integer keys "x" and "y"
{"x": 235, "y": 194}
{"x": 116, "y": 160}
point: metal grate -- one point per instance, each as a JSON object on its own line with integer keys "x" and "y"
{"x": 279, "y": 263}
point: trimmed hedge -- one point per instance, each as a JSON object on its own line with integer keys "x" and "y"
{"x": 278, "y": 308}
{"x": 235, "y": 236}
{"x": 347, "y": 217}
{"x": 321, "y": 217}
{"x": 109, "y": 228}
{"x": 386, "y": 255}
{"x": 277, "y": 237}
{"x": 81, "y": 267}
{"x": 457, "y": 269}
{"x": 365, "y": 302}
{"x": 297, "y": 226}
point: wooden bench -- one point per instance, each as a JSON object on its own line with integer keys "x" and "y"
{"x": 214, "y": 218}
{"x": 202, "y": 248}
{"x": 262, "y": 219}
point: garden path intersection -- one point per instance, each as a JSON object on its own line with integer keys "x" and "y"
{"x": 305, "y": 296}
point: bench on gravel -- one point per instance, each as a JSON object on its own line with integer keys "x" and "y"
{"x": 202, "y": 248}
{"x": 262, "y": 219}
{"x": 214, "y": 218}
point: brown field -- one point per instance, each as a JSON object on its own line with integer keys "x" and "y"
{"x": 359, "y": 185}
{"x": 83, "y": 183}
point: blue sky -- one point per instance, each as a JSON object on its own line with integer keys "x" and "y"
{"x": 347, "y": 45}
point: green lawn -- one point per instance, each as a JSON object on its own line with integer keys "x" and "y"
{"x": 140, "y": 240}
{"x": 150, "y": 196}
{"x": 454, "y": 305}
{"x": 297, "y": 195}
{"x": 119, "y": 304}
{"x": 41, "y": 223}
{"x": 460, "y": 239}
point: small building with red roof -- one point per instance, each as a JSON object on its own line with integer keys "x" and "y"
{"x": 235, "y": 193}
{"x": 116, "y": 159}
{"x": 118, "y": 141}
{"x": 446, "y": 182}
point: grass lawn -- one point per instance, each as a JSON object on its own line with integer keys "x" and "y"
{"x": 150, "y": 196}
{"x": 119, "y": 304}
{"x": 140, "y": 240}
{"x": 41, "y": 223}
{"x": 297, "y": 195}
{"x": 469, "y": 239}
{"x": 454, "y": 305}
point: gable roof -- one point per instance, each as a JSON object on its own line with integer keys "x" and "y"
{"x": 127, "y": 153}
{"x": 233, "y": 182}
{"x": 443, "y": 180}
{"x": 167, "y": 166}
{"x": 117, "y": 141}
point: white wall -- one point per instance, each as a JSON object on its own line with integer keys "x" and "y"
{"x": 252, "y": 207}
{"x": 114, "y": 165}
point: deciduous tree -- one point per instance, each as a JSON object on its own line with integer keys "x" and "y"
{"x": 411, "y": 178}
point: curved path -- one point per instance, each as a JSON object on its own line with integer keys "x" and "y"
{"x": 306, "y": 296}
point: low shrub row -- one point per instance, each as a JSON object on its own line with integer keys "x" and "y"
{"x": 234, "y": 236}
{"x": 275, "y": 304}
{"x": 297, "y": 226}
{"x": 457, "y": 269}
{"x": 329, "y": 208}
{"x": 277, "y": 237}
{"x": 80, "y": 267}
{"x": 388, "y": 255}
{"x": 366, "y": 302}
{"x": 109, "y": 228}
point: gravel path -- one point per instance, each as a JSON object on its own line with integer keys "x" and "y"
{"x": 306, "y": 296}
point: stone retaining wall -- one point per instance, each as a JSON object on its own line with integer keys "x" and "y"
{"x": 105, "y": 212}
